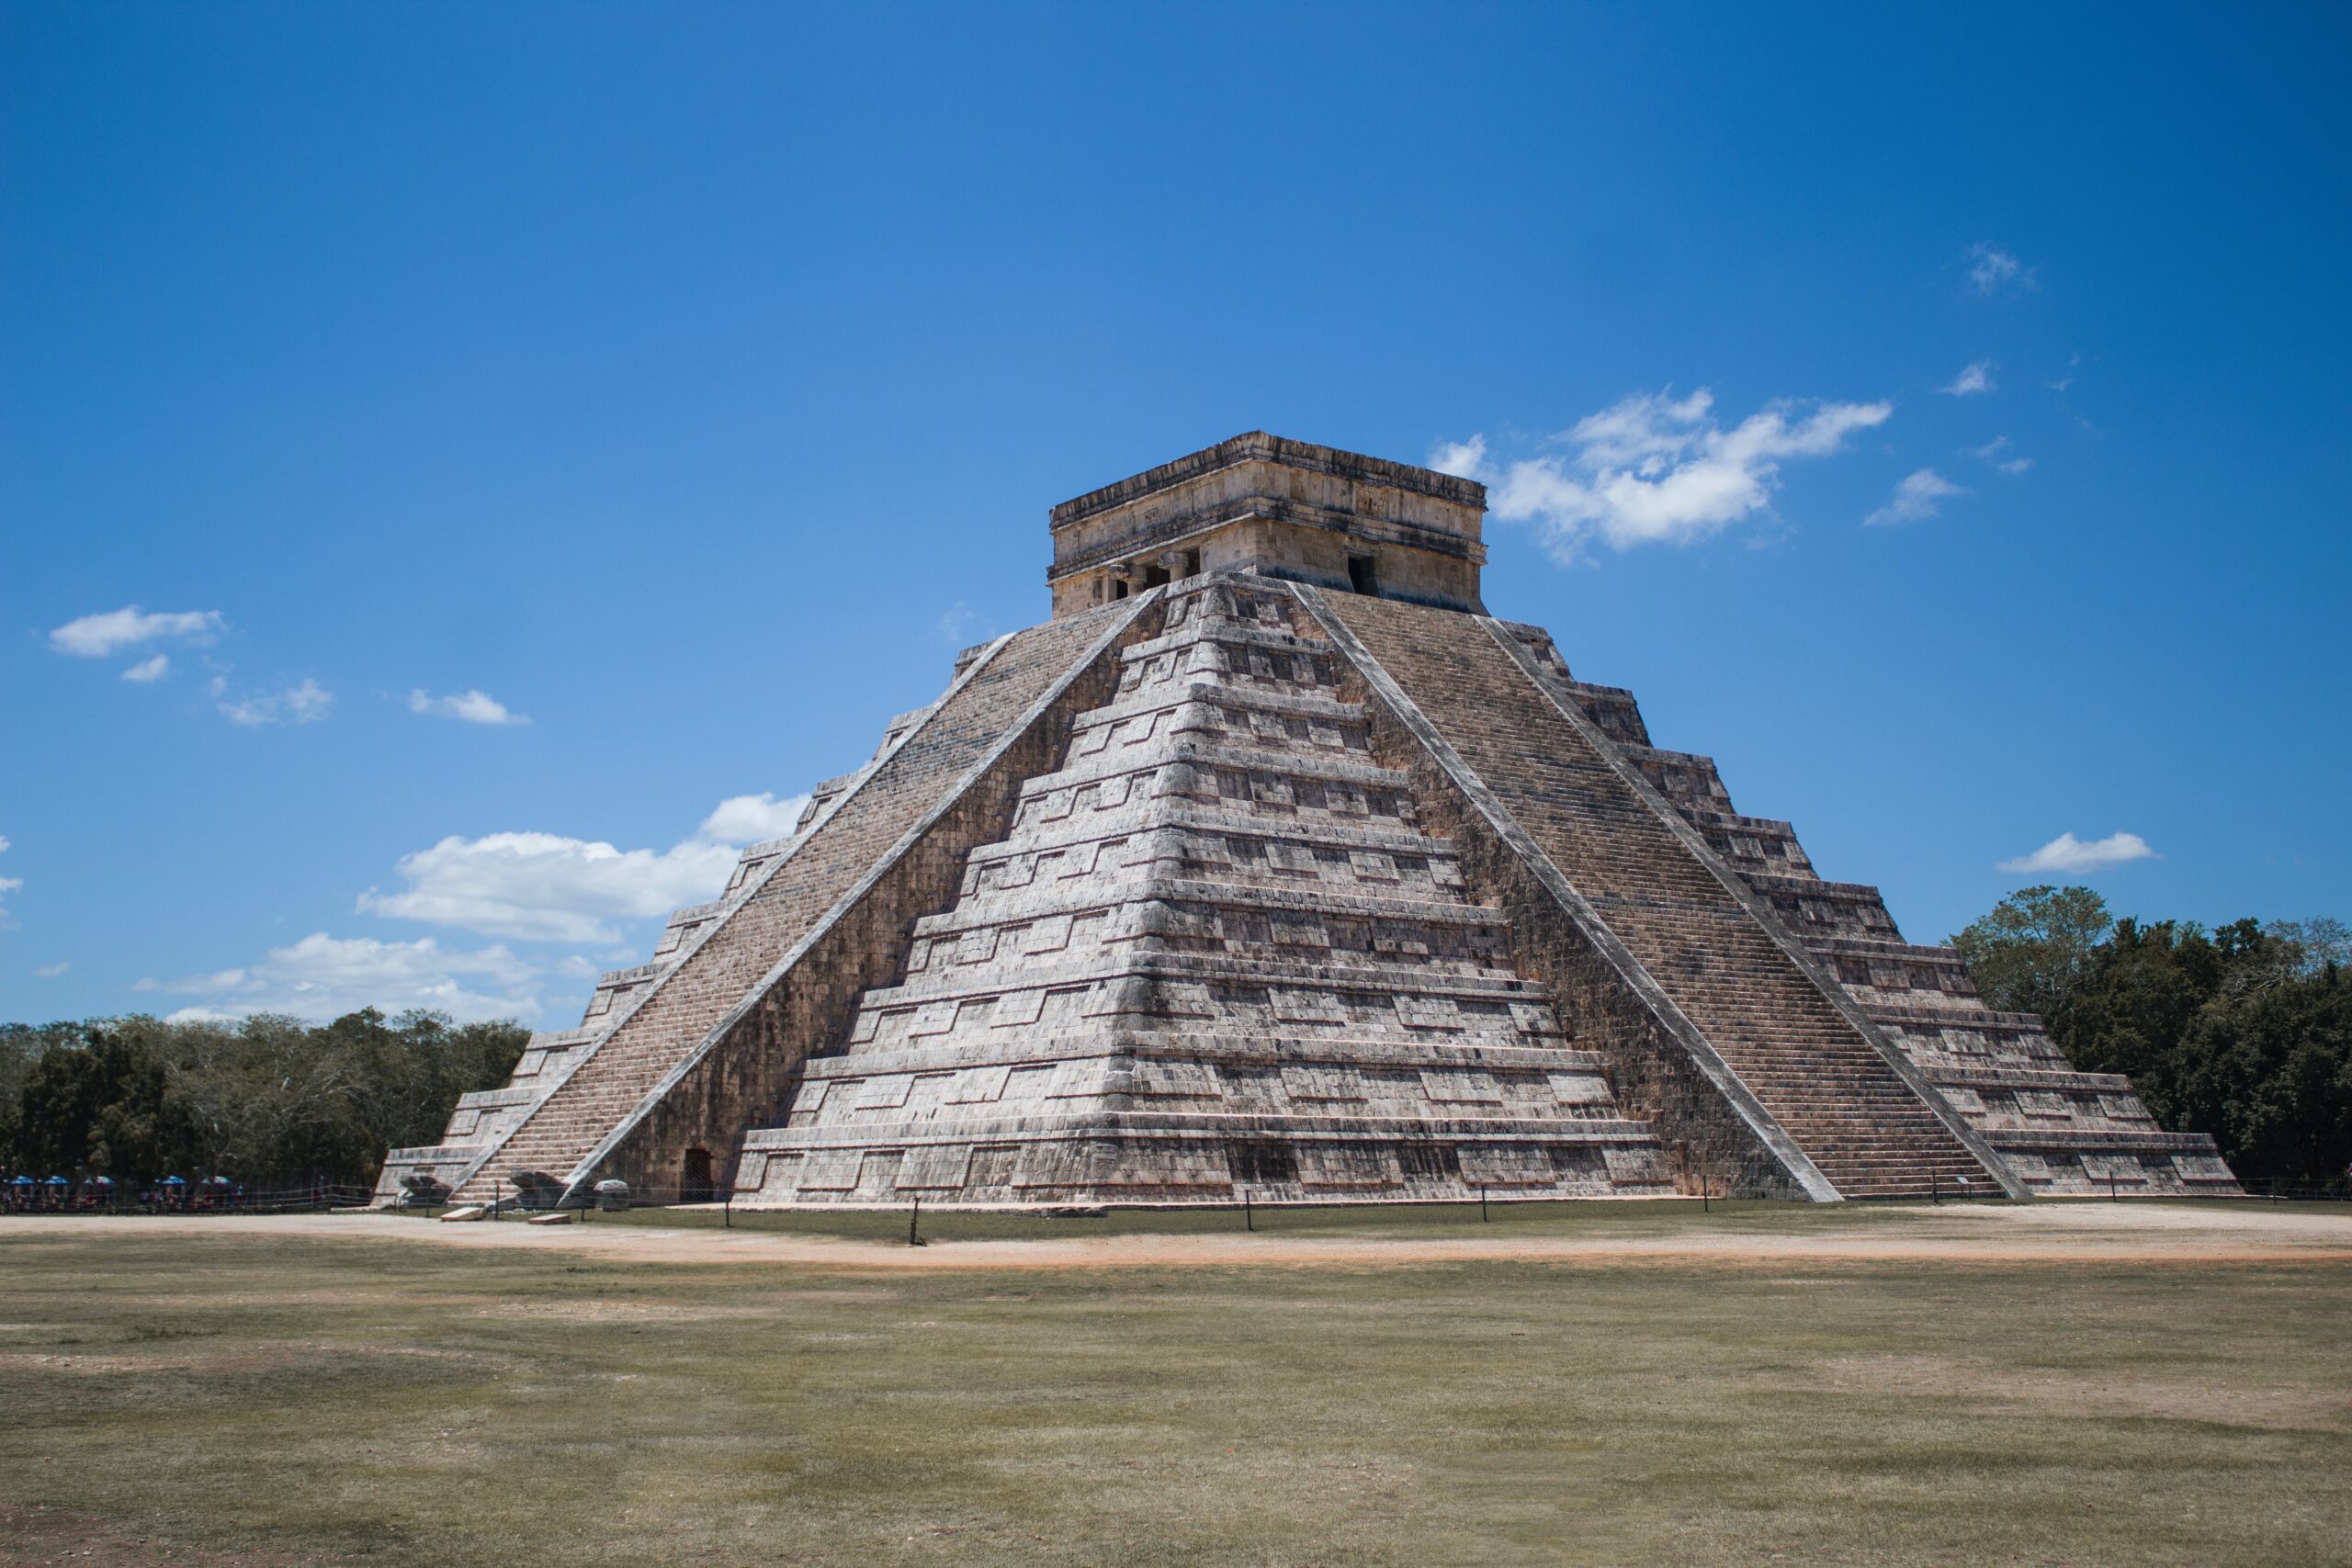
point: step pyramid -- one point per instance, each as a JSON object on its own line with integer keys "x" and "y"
{"x": 1273, "y": 867}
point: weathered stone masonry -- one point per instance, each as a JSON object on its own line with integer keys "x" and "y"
{"x": 1270, "y": 864}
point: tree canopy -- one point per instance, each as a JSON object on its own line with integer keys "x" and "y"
{"x": 263, "y": 1100}
{"x": 2035, "y": 947}
{"x": 2245, "y": 1032}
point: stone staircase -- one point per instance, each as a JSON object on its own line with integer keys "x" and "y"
{"x": 1832, "y": 1090}
{"x": 1212, "y": 954}
{"x": 2058, "y": 1131}
{"x": 722, "y": 971}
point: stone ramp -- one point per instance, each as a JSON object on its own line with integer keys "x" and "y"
{"x": 1836, "y": 1093}
{"x": 730, "y": 965}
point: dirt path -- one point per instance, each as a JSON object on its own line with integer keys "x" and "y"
{"x": 1988, "y": 1234}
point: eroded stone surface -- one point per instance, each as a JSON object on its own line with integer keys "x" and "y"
{"x": 1215, "y": 952}
{"x": 1270, "y": 864}
{"x": 2058, "y": 1130}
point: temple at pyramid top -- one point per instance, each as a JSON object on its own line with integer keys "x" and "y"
{"x": 1275, "y": 508}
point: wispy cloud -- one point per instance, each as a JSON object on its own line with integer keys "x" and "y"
{"x": 96, "y": 636}
{"x": 305, "y": 703}
{"x": 1917, "y": 496}
{"x": 323, "y": 976}
{"x": 1993, "y": 452}
{"x": 7, "y": 885}
{"x": 1992, "y": 269}
{"x": 148, "y": 669}
{"x": 1972, "y": 381}
{"x": 549, "y": 887}
{"x": 470, "y": 707}
{"x": 2067, "y": 854}
{"x": 956, "y": 623}
{"x": 1652, "y": 470}
{"x": 50, "y": 971}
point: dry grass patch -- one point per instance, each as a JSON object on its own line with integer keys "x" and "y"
{"x": 1995, "y": 1390}
{"x": 436, "y": 1406}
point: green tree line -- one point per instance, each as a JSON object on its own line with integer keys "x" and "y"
{"x": 2244, "y": 1032}
{"x": 266, "y": 1100}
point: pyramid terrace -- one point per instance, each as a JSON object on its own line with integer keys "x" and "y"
{"x": 1270, "y": 864}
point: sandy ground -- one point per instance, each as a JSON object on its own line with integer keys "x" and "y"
{"x": 1956, "y": 1233}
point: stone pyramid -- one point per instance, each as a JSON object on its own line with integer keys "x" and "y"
{"x": 1272, "y": 864}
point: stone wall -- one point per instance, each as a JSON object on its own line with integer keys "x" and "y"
{"x": 1281, "y": 509}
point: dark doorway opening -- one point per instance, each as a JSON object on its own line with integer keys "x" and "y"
{"x": 1361, "y": 577}
{"x": 1261, "y": 1163}
{"x": 693, "y": 1178}
{"x": 1427, "y": 1161}
{"x": 1153, "y": 576}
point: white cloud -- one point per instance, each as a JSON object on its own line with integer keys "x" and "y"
{"x": 95, "y": 637}
{"x": 471, "y": 707}
{"x": 2067, "y": 854}
{"x": 1463, "y": 459}
{"x": 956, "y": 624}
{"x": 50, "y": 971}
{"x": 1914, "y": 498}
{"x": 541, "y": 886}
{"x": 148, "y": 669}
{"x": 3, "y": 840}
{"x": 1975, "y": 379}
{"x": 1652, "y": 470}
{"x": 305, "y": 703}
{"x": 1992, "y": 452}
{"x": 752, "y": 819}
{"x": 322, "y": 976}
{"x": 546, "y": 887}
{"x": 9, "y": 885}
{"x": 1992, "y": 269}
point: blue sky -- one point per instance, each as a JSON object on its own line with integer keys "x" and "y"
{"x": 692, "y": 381}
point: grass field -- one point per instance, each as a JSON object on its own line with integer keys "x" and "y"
{"x": 231, "y": 1398}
